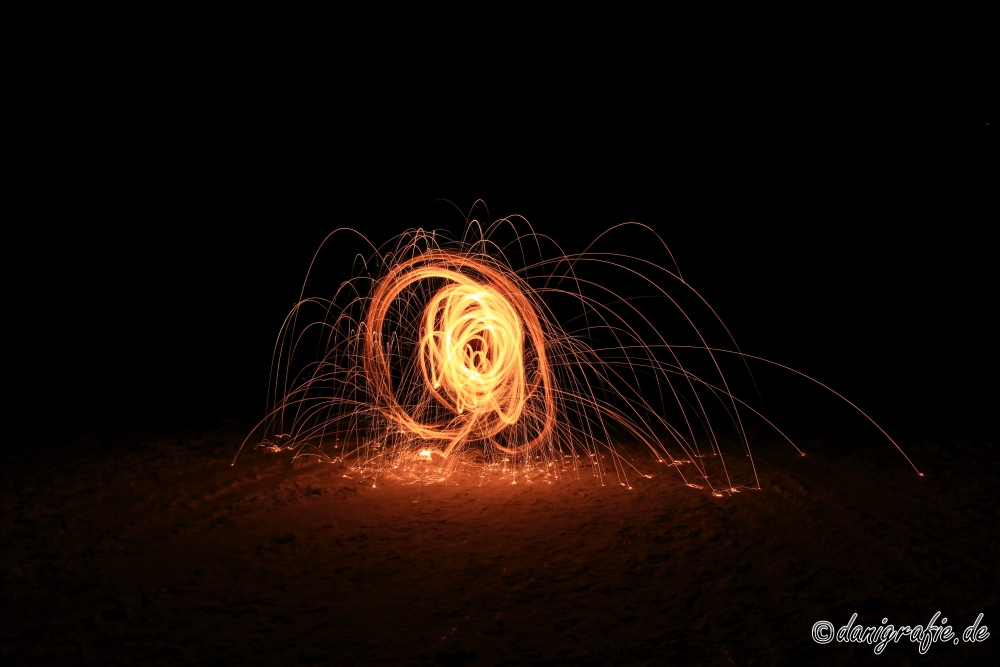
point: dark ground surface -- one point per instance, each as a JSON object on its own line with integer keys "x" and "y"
{"x": 161, "y": 553}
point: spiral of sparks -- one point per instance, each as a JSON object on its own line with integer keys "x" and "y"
{"x": 453, "y": 360}
{"x": 473, "y": 337}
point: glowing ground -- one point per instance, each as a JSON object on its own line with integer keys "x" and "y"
{"x": 163, "y": 554}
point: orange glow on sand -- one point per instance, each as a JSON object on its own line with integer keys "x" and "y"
{"x": 445, "y": 359}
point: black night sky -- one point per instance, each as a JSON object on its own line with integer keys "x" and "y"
{"x": 158, "y": 212}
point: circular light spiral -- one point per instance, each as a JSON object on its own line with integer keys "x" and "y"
{"x": 470, "y": 351}
{"x": 475, "y": 338}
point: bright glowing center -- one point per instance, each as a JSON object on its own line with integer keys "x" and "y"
{"x": 472, "y": 356}
{"x": 471, "y": 351}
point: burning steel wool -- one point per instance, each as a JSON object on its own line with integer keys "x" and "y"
{"x": 496, "y": 356}
{"x": 481, "y": 352}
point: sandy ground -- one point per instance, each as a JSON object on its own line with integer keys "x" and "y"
{"x": 122, "y": 551}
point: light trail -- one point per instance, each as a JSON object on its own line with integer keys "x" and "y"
{"x": 445, "y": 359}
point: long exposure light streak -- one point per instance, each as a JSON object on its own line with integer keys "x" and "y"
{"x": 496, "y": 355}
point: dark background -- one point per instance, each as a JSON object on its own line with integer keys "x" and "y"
{"x": 159, "y": 211}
